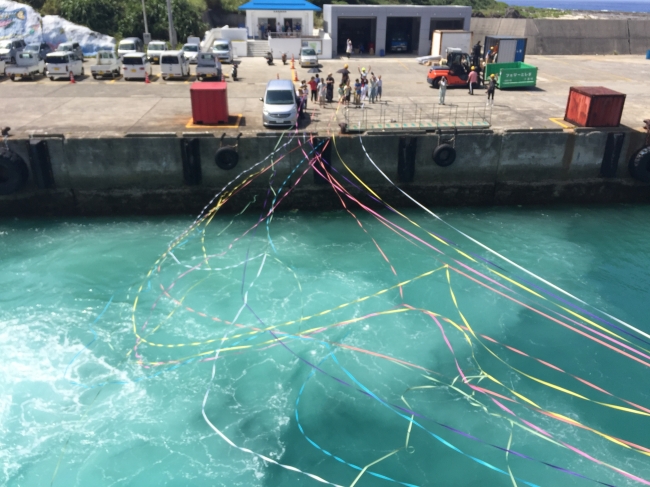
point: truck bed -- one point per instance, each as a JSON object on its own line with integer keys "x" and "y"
{"x": 23, "y": 70}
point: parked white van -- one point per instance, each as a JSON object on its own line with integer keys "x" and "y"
{"x": 223, "y": 50}
{"x": 191, "y": 51}
{"x": 173, "y": 64}
{"x": 135, "y": 66}
{"x": 130, "y": 44}
{"x": 155, "y": 50}
{"x": 59, "y": 64}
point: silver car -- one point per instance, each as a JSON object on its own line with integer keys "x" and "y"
{"x": 280, "y": 104}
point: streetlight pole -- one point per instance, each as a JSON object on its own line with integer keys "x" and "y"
{"x": 144, "y": 13}
{"x": 172, "y": 31}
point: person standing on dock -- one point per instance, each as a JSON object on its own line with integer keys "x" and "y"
{"x": 329, "y": 81}
{"x": 491, "y": 55}
{"x": 472, "y": 80}
{"x": 442, "y": 91}
{"x": 313, "y": 89}
{"x": 348, "y": 48}
{"x": 491, "y": 87}
{"x": 379, "y": 85}
{"x": 357, "y": 92}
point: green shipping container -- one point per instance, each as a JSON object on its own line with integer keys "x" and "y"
{"x": 512, "y": 75}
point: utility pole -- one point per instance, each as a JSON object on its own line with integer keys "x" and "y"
{"x": 172, "y": 31}
{"x": 147, "y": 37}
{"x": 144, "y": 13}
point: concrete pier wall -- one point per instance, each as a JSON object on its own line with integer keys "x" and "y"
{"x": 145, "y": 175}
{"x": 570, "y": 37}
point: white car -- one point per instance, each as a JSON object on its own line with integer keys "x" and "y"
{"x": 223, "y": 49}
{"x": 155, "y": 50}
{"x": 173, "y": 64}
{"x": 27, "y": 66}
{"x": 191, "y": 51}
{"x": 128, "y": 45}
{"x": 135, "y": 66}
{"x": 60, "y": 64}
{"x": 308, "y": 57}
{"x": 107, "y": 64}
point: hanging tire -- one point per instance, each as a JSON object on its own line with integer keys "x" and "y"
{"x": 640, "y": 165}
{"x": 444, "y": 155}
{"x": 226, "y": 158}
{"x": 13, "y": 172}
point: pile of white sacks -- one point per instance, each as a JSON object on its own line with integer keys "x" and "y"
{"x": 18, "y": 20}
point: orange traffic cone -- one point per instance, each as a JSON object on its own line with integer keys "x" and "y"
{"x": 295, "y": 75}
{"x": 292, "y": 62}
{"x": 72, "y": 81}
{"x": 146, "y": 78}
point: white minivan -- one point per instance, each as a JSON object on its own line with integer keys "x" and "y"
{"x": 280, "y": 104}
{"x": 155, "y": 50}
{"x": 135, "y": 65}
{"x": 59, "y": 64}
{"x": 173, "y": 64}
{"x": 129, "y": 44}
{"x": 222, "y": 48}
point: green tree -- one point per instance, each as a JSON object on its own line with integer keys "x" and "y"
{"x": 187, "y": 19}
{"x": 99, "y": 15}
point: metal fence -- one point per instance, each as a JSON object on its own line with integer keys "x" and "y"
{"x": 417, "y": 116}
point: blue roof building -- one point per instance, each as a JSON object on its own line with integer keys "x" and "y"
{"x": 282, "y": 17}
{"x": 280, "y": 5}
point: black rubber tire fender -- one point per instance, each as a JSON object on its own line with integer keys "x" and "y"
{"x": 640, "y": 165}
{"x": 13, "y": 172}
{"x": 444, "y": 155}
{"x": 226, "y": 158}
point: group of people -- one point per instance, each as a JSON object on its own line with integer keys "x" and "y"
{"x": 367, "y": 87}
{"x": 319, "y": 90}
{"x": 265, "y": 29}
{"x": 473, "y": 82}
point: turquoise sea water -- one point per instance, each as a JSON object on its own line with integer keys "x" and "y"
{"x": 333, "y": 393}
{"x": 599, "y": 5}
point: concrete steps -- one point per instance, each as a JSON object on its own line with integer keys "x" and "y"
{"x": 257, "y": 48}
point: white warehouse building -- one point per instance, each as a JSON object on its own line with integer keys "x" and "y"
{"x": 384, "y": 27}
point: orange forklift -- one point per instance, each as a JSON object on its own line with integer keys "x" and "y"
{"x": 456, "y": 70}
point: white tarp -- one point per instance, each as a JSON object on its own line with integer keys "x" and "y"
{"x": 22, "y": 21}
{"x": 19, "y": 20}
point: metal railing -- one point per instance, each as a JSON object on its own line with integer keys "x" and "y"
{"x": 416, "y": 116}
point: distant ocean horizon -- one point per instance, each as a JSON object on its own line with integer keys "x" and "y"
{"x": 598, "y": 5}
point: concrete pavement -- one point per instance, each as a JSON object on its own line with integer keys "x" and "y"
{"x": 118, "y": 107}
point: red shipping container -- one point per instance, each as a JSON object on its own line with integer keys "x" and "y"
{"x": 594, "y": 106}
{"x": 209, "y": 102}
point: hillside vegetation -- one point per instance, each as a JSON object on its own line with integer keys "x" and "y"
{"x": 123, "y": 18}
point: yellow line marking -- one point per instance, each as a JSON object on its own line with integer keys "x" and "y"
{"x": 403, "y": 65}
{"x": 191, "y": 125}
{"x": 561, "y": 122}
